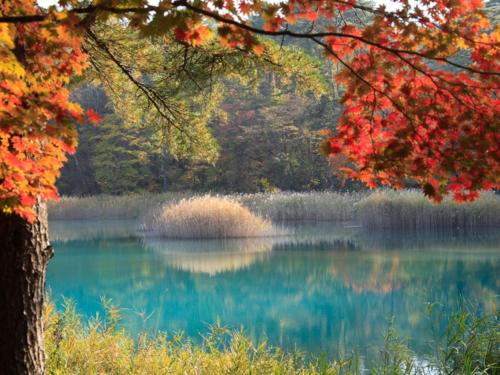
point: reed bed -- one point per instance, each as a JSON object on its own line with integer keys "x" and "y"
{"x": 207, "y": 217}
{"x": 71, "y": 230}
{"x": 279, "y": 207}
{"x": 130, "y": 206}
{"x": 305, "y": 206}
{"x": 406, "y": 209}
{"x": 411, "y": 210}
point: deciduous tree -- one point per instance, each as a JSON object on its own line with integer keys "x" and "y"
{"x": 407, "y": 115}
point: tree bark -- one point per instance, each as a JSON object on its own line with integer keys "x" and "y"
{"x": 164, "y": 172}
{"x": 24, "y": 254}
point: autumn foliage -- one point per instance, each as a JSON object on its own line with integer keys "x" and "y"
{"x": 411, "y": 117}
{"x": 412, "y": 112}
{"x": 36, "y": 115}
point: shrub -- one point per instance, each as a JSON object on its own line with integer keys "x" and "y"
{"x": 207, "y": 217}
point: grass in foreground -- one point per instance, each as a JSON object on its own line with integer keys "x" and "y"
{"x": 471, "y": 346}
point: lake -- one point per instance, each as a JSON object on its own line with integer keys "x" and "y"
{"x": 323, "y": 288}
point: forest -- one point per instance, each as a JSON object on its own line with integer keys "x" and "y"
{"x": 263, "y": 117}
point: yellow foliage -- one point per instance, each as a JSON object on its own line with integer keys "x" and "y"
{"x": 8, "y": 61}
{"x": 5, "y": 37}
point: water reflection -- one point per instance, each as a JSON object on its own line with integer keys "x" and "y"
{"x": 323, "y": 289}
{"x": 70, "y": 230}
{"x": 210, "y": 256}
{"x": 485, "y": 239}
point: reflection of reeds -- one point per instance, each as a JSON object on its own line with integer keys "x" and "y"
{"x": 69, "y": 230}
{"x": 207, "y": 217}
{"x": 409, "y": 209}
{"x": 441, "y": 240}
{"x": 210, "y": 256}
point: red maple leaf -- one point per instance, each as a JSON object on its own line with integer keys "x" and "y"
{"x": 93, "y": 116}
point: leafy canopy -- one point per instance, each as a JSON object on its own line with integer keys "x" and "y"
{"x": 36, "y": 115}
{"x": 131, "y": 148}
{"x": 411, "y": 110}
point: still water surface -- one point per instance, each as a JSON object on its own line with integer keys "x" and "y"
{"x": 322, "y": 289}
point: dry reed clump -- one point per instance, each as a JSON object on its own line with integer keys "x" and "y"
{"x": 207, "y": 217}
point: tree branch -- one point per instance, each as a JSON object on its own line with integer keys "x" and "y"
{"x": 241, "y": 25}
{"x": 154, "y": 98}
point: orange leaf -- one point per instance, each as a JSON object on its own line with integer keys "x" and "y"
{"x": 93, "y": 116}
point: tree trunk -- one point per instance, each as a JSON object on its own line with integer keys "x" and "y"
{"x": 164, "y": 167}
{"x": 24, "y": 254}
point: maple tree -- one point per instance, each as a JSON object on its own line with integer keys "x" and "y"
{"x": 407, "y": 118}
{"x": 36, "y": 115}
{"x": 404, "y": 117}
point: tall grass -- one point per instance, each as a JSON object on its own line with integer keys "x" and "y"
{"x": 410, "y": 209}
{"x": 406, "y": 209}
{"x": 97, "y": 229}
{"x": 469, "y": 345}
{"x": 207, "y": 217}
{"x": 99, "y": 347}
{"x": 295, "y": 206}
{"x": 130, "y": 206}
{"x": 284, "y": 206}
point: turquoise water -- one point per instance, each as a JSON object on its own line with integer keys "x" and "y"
{"x": 322, "y": 289}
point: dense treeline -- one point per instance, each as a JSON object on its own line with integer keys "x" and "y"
{"x": 245, "y": 125}
{"x": 267, "y": 135}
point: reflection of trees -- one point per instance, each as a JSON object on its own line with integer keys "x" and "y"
{"x": 71, "y": 230}
{"x": 484, "y": 239}
{"x": 451, "y": 275}
{"x": 372, "y": 273}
